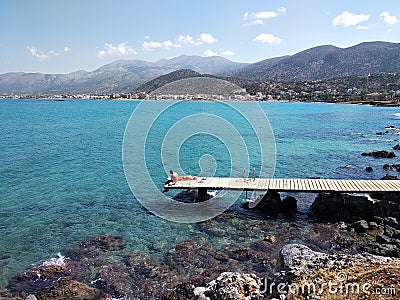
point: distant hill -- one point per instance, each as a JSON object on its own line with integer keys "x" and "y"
{"x": 162, "y": 80}
{"x": 119, "y": 76}
{"x": 325, "y": 62}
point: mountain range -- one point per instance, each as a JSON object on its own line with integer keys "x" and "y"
{"x": 119, "y": 76}
{"x": 322, "y": 62}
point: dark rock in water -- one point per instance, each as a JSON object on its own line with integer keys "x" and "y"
{"x": 289, "y": 204}
{"x": 231, "y": 285}
{"x": 369, "y": 169}
{"x": 360, "y": 226}
{"x": 387, "y": 167}
{"x": 389, "y": 177}
{"x": 390, "y": 127}
{"x": 379, "y": 154}
{"x": 67, "y": 288}
{"x": 396, "y": 147}
{"x": 96, "y": 246}
{"x": 271, "y": 203}
{"x": 342, "y": 207}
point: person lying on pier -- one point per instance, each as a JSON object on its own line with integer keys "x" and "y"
{"x": 175, "y": 177}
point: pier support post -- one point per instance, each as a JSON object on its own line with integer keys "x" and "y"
{"x": 202, "y": 194}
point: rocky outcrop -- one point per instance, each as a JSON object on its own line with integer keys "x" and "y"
{"x": 379, "y": 154}
{"x": 389, "y": 177}
{"x": 307, "y": 272}
{"x": 230, "y": 285}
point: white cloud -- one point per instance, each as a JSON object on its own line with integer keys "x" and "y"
{"x": 264, "y": 15}
{"x": 388, "y": 19}
{"x": 347, "y": 19}
{"x": 362, "y": 27}
{"x": 227, "y": 53}
{"x": 206, "y": 38}
{"x": 119, "y": 50}
{"x": 256, "y": 18}
{"x": 268, "y": 38}
{"x": 146, "y": 46}
{"x": 210, "y": 53}
{"x": 186, "y": 39}
{"x": 42, "y": 56}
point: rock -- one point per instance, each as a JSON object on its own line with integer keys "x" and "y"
{"x": 230, "y": 285}
{"x": 373, "y": 225}
{"x": 112, "y": 279}
{"x": 383, "y": 239}
{"x": 289, "y": 204}
{"x": 96, "y": 246}
{"x": 70, "y": 289}
{"x": 271, "y": 203}
{"x": 360, "y": 226}
{"x": 342, "y": 207}
{"x": 42, "y": 276}
{"x": 369, "y": 169}
{"x": 379, "y": 154}
{"x": 304, "y": 266}
{"x": 397, "y": 147}
{"x": 389, "y": 177}
{"x": 31, "y": 297}
{"x": 270, "y": 239}
{"x": 387, "y": 167}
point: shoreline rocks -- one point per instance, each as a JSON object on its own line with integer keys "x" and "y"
{"x": 379, "y": 154}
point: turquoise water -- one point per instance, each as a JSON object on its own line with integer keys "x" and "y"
{"x": 62, "y": 178}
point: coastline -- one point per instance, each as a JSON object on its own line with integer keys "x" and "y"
{"x": 369, "y": 103}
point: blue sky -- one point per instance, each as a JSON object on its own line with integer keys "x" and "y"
{"x": 61, "y": 36}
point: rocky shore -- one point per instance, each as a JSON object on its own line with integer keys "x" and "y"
{"x": 357, "y": 247}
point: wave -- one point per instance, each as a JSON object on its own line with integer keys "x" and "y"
{"x": 55, "y": 261}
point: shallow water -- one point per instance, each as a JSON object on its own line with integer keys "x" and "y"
{"x": 62, "y": 178}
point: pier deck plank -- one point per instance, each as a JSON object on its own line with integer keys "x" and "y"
{"x": 289, "y": 184}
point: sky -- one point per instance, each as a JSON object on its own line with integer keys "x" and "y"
{"x": 63, "y": 36}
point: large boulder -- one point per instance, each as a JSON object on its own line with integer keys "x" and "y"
{"x": 342, "y": 207}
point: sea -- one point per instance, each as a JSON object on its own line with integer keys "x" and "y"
{"x": 62, "y": 176}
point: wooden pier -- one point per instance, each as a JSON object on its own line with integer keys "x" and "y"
{"x": 286, "y": 185}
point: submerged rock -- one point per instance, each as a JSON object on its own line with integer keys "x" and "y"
{"x": 96, "y": 246}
